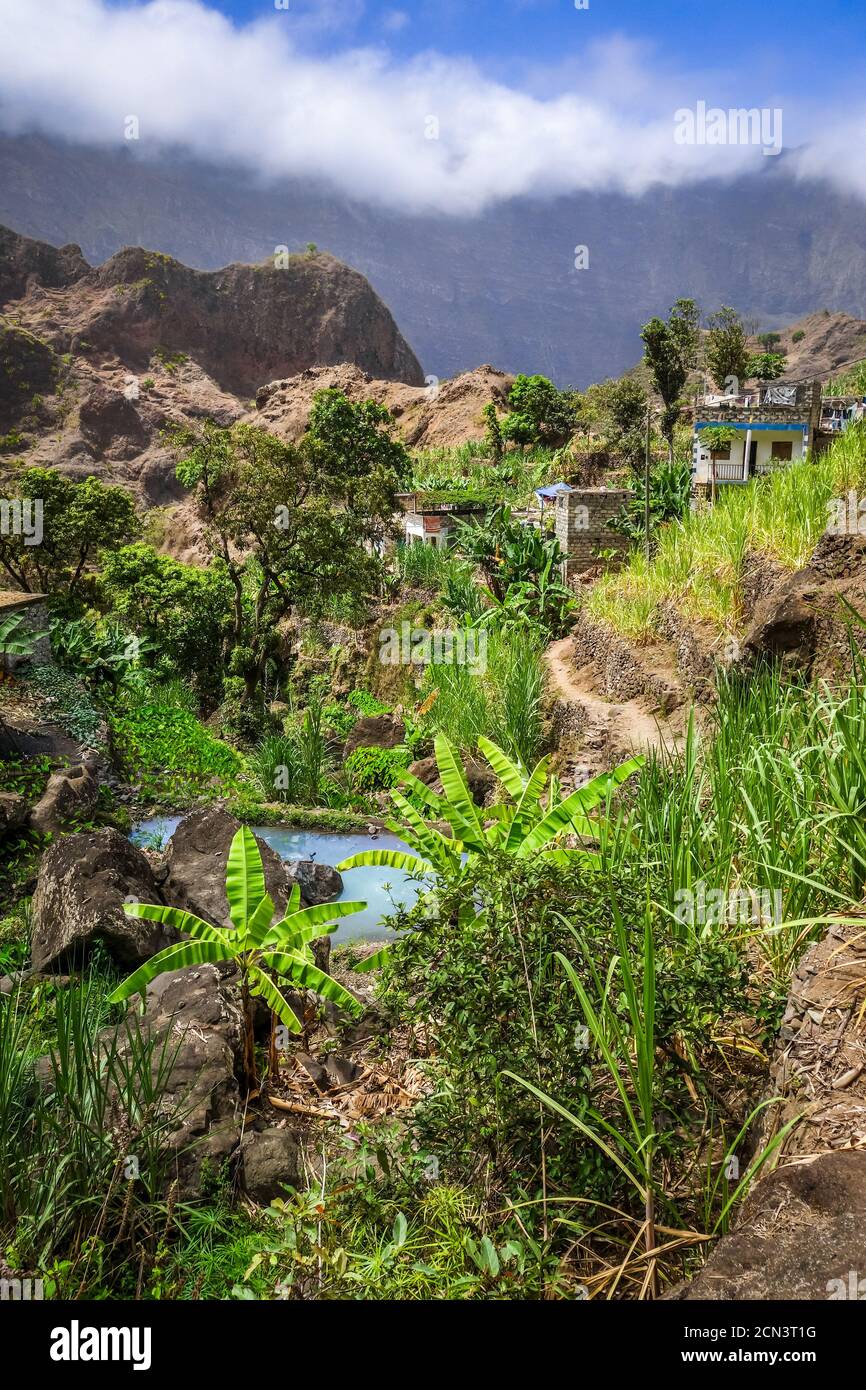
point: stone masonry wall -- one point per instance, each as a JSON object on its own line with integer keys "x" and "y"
{"x": 581, "y": 525}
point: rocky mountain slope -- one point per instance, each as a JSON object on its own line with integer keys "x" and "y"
{"x": 500, "y": 287}
{"x": 95, "y": 364}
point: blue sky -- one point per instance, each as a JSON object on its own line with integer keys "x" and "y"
{"x": 771, "y": 44}
{"x": 444, "y": 105}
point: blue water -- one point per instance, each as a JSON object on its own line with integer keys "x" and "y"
{"x": 382, "y": 889}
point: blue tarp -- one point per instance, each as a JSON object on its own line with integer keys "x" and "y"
{"x": 547, "y": 494}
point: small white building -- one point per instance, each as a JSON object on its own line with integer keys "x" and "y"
{"x": 429, "y": 520}
{"x": 777, "y": 427}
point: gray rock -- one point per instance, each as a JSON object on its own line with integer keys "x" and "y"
{"x": 319, "y": 883}
{"x": 83, "y": 883}
{"x": 194, "y": 1020}
{"x": 271, "y": 1161}
{"x": 375, "y": 731}
{"x": 70, "y": 792}
{"x": 801, "y": 1228}
{"x": 13, "y": 812}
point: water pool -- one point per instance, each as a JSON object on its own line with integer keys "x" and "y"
{"x": 381, "y": 889}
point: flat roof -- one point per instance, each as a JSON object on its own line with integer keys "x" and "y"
{"x": 10, "y": 599}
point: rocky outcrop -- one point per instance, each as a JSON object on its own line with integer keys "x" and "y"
{"x": 375, "y": 731}
{"x": 802, "y": 1229}
{"x": 802, "y": 622}
{"x": 243, "y": 325}
{"x": 84, "y": 881}
{"x": 71, "y": 794}
{"x": 193, "y": 1023}
{"x": 271, "y": 1161}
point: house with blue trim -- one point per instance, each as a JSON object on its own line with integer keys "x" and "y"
{"x": 737, "y": 438}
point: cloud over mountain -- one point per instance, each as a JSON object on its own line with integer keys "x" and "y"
{"x": 419, "y": 134}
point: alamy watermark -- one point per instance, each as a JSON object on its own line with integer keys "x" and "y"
{"x": 703, "y": 906}
{"x": 22, "y": 516}
{"x": 419, "y": 646}
{"x": 736, "y": 126}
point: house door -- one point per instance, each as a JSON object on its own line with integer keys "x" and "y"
{"x": 753, "y": 458}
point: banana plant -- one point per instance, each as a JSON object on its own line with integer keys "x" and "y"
{"x": 253, "y": 943}
{"x": 527, "y": 826}
{"x": 15, "y": 639}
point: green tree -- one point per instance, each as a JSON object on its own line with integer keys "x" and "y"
{"x": 671, "y": 352}
{"x": 766, "y": 366}
{"x": 78, "y": 519}
{"x": 727, "y": 352}
{"x": 185, "y": 611}
{"x": 354, "y": 439}
{"x": 294, "y": 525}
{"x": 618, "y": 408}
{"x": 539, "y": 412}
{"x": 254, "y": 943}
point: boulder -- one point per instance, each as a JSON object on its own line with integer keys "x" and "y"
{"x": 271, "y": 1161}
{"x": 70, "y": 793}
{"x": 83, "y": 883}
{"x": 375, "y": 731}
{"x": 319, "y": 883}
{"x": 13, "y": 812}
{"x": 107, "y": 417}
{"x": 193, "y": 1020}
{"x": 784, "y": 624}
{"x": 196, "y": 856}
{"x": 800, "y": 1233}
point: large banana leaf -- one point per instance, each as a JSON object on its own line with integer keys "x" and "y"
{"x": 258, "y": 924}
{"x": 455, "y": 786}
{"x": 172, "y": 958}
{"x": 375, "y": 960}
{"x": 245, "y": 877}
{"x": 183, "y": 921}
{"x": 509, "y": 774}
{"x": 303, "y": 975}
{"x": 313, "y": 917}
{"x": 573, "y": 808}
{"x": 527, "y": 808}
{"x": 262, "y": 984}
{"x": 385, "y": 859}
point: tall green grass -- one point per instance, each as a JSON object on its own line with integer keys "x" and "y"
{"x": 502, "y": 701}
{"x": 699, "y": 562}
{"x": 770, "y": 799}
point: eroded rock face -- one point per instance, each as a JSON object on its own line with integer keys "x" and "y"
{"x": 194, "y": 1022}
{"x": 271, "y": 1161}
{"x": 784, "y": 624}
{"x": 800, "y": 1233}
{"x": 83, "y": 883}
{"x": 70, "y": 792}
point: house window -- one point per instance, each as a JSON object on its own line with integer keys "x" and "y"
{"x": 716, "y": 454}
{"x": 781, "y": 449}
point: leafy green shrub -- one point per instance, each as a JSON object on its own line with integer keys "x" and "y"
{"x": 377, "y": 769}
{"x": 26, "y": 776}
{"x": 67, "y": 703}
{"x": 162, "y": 745}
{"x": 366, "y": 703}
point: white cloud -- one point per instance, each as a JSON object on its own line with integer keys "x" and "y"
{"x": 358, "y": 117}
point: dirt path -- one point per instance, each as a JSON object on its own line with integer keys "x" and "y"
{"x": 612, "y": 727}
